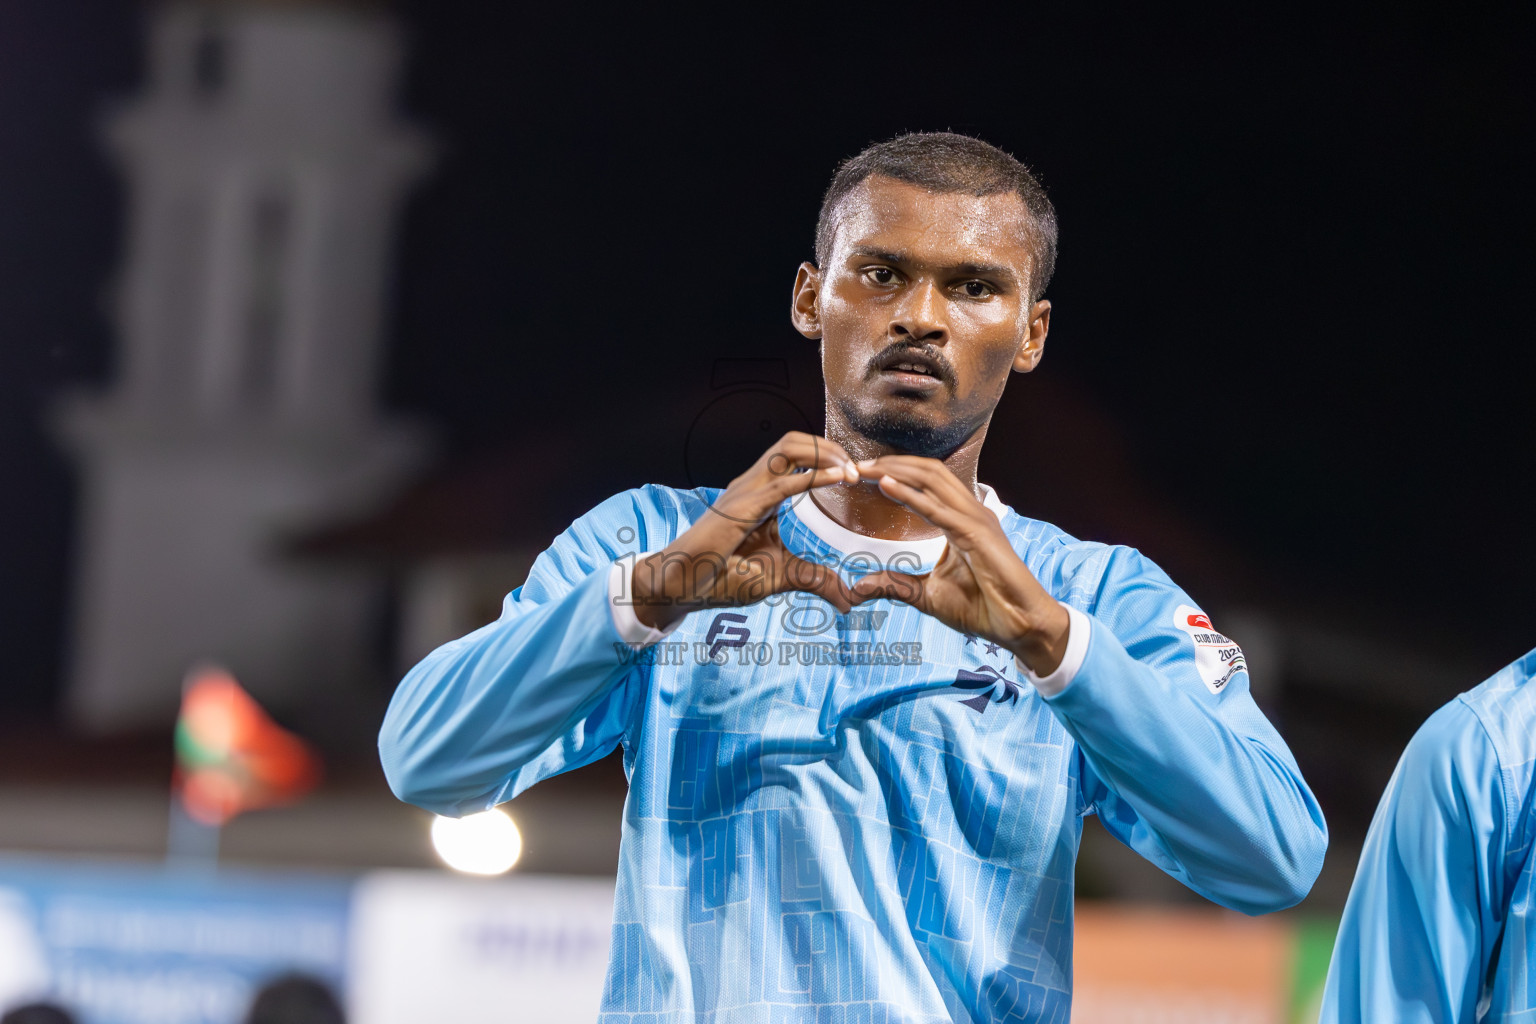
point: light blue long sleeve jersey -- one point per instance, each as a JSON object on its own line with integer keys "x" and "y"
{"x": 1441, "y": 922}
{"x": 866, "y": 818}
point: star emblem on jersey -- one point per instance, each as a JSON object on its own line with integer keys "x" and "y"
{"x": 986, "y": 679}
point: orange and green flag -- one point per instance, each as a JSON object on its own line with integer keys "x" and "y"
{"x": 230, "y": 756}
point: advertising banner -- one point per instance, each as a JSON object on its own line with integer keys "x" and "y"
{"x": 474, "y": 951}
{"x": 142, "y": 945}
{"x": 139, "y": 945}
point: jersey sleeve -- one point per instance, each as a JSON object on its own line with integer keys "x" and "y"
{"x": 1419, "y": 927}
{"x": 549, "y": 686}
{"x": 1178, "y": 761}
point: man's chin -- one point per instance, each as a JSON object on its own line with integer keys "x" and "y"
{"x": 899, "y": 431}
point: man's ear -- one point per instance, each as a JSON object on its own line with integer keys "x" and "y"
{"x": 1028, "y": 356}
{"x": 805, "y": 306}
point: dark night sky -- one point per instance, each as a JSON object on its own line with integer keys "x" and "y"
{"x": 1290, "y": 264}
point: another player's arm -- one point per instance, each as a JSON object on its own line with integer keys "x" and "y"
{"x": 1418, "y": 933}
{"x": 1211, "y": 797}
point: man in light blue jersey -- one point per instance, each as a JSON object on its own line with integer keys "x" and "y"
{"x": 864, "y": 705}
{"x": 1441, "y": 922}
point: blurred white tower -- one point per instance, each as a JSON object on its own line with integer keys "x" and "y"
{"x": 265, "y": 173}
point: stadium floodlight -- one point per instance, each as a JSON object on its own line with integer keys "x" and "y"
{"x": 487, "y": 843}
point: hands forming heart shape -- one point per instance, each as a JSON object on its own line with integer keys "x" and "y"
{"x": 735, "y": 556}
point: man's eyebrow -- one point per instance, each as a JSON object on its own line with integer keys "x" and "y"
{"x": 983, "y": 270}
{"x": 884, "y": 255}
{"x": 1002, "y": 273}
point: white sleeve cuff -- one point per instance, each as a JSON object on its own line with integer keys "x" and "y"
{"x": 1077, "y": 649}
{"x": 622, "y": 606}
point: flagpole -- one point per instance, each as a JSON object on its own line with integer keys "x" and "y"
{"x": 189, "y": 844}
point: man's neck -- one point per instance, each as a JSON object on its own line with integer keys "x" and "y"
{"x": 864, "y": 509}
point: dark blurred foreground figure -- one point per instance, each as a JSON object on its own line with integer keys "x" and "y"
{"x": 1440, "y": 927}
{"x": 295, "y": 999}
{"x": 870, "y": 814}
{"x": 38, "y": 1013}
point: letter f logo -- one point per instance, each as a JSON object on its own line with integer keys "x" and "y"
{"x": 722, "y": 635}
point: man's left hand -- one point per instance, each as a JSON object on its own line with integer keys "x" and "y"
{"x": 980, "y": 585}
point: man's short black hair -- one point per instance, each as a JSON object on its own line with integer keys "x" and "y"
{"x": 946, "y": 162}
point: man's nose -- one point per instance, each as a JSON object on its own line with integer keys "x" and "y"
{"x": 920, "y": 317}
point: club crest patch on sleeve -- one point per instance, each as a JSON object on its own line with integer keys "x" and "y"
{"x": 1217, "y": 658}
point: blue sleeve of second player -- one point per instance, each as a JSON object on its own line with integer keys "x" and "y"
{"x": 1179, "y": 762}
{"x": 543, "y": 689}
{"x": 1417, "y": 934}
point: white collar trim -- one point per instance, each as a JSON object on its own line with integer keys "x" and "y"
{"x": 927, "y": 550}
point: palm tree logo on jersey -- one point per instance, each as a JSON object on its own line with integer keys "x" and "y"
{"x": 986, "y": 678}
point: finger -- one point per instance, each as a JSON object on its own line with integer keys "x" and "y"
{"x": 820, "y": 580}
{"x": 955, "y": 524}
{"x": 783, "y": 470}
{"x": 797, "y": 450}
{"x": 756, "y": 574}
{"x": 895, "y": 586}
{"x": 797, "y": 483}
{"x": 935, "y": 493}
{"x": 980, "y": 542}
{"x": 929, "y": 474}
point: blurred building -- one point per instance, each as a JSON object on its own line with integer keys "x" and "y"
{"x": 265, "y": 170}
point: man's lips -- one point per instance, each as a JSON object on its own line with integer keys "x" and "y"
{"x": 912, "y": 367}
{"x": 916, "y": 381}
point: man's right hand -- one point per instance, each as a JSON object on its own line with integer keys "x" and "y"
{"x": 733, "y": 555}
